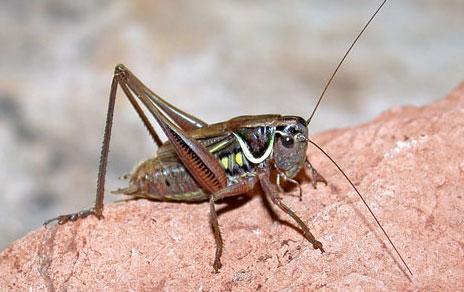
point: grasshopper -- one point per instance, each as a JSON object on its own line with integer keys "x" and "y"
{"x": 203, "y": 162}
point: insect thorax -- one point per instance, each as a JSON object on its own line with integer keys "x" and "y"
{"x": 245, "y": 150}
{"x": 283, "y": 143}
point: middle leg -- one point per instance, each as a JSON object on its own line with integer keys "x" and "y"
{"x": 217, "y": 234}
{"x": 271, "y": 191}
{"x": 245, "y": 185}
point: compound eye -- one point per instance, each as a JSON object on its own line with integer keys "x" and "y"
{"x": 287, "y": 141}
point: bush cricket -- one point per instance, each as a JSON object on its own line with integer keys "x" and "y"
{"x": 210, "y": 162}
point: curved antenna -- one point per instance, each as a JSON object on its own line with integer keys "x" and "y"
{"x": 342, "y": 60}
{"x": 365, "y": 203}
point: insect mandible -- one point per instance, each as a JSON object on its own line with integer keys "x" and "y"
{"x": 202, "y": 162}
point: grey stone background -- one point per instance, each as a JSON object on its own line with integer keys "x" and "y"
{"x": 216, "y": 59}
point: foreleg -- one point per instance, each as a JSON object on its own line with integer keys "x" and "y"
{"x": 314, "y": 175}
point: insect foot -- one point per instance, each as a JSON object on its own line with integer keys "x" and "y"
{"x": 317, "y": 245}
{"x": 217, "y": 265}
{"x": 314, "y": 175}
{"x": 62, "y": 219}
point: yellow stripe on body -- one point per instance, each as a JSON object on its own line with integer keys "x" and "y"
{"x": 239, "y": 159}
{"x": 225, "y": 162}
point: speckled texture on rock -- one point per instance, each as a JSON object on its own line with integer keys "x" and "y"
{"x": 408, "y": 163}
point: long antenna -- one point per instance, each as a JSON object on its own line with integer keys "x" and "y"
{"x": 365, "y": 203}
{"x": 342, "y": 60}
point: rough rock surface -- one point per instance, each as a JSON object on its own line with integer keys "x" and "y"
{"x": 408, "y": 163}
{"x": 215, "y": 60}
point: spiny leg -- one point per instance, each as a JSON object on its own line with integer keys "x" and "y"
{"x": 202, "y": 164}
{"x": 217, "y": 235}
{"x": 97, "y": 210}
{"x": 295, "y": 182}
{"x": 280, "y": 176}
{"x": 272, "y": 192}
{"x": 184, "y": 120}
{"x": 243, "y": 186}
{"x": 62, "y": 219}
{"x": 119, "y": 78}
{"x": 279, "y": 184}
{"x": 314, "y": 175}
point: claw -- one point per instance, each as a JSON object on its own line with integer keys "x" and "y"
{"x": 217, "y": 265}
{"x": 315, "y": 176}
{"x": 318, "y": 245}
{"x": 63, "y": 219}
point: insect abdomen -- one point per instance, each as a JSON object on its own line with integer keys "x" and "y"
{"x": 165, "y": 181}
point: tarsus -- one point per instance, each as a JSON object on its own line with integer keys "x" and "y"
{"x": 365, "y": 203}
{"x": 342, "y": 60}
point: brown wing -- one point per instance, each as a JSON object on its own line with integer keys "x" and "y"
{"x": 232, "y": 125}
{"x": 202, "y": 165}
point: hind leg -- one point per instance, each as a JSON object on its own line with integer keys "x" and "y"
{"x": 130, "y": 84}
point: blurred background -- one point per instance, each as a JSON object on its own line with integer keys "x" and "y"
{"x": 214, "y": 59}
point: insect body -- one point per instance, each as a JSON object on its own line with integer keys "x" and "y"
{"x": 202, "y": 162}
{"x": 243, "y": 146}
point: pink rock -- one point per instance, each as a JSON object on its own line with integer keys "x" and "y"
{"x": 408, "y": 163}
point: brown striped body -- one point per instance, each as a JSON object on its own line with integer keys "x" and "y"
{"x": 165, "y": 178}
